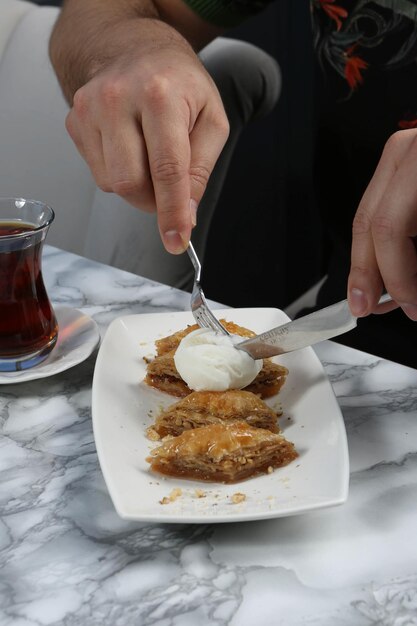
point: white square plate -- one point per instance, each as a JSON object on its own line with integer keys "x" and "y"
{"x": 124, "y": 406}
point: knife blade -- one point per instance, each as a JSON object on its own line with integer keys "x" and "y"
{"x": 326, "y": 323}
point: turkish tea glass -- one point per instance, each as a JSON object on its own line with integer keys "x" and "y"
{"x": 28, "y": 325}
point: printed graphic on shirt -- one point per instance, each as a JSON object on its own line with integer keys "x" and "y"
{"x": 356, "y": 38}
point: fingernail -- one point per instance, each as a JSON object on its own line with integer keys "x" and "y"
{"x": 175, "y": 242}
{"x": 193, "y": 211}
{"x": 410, "y": 310}
{"x": 357, "y": 301}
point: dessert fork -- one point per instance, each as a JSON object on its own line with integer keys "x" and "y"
{"x": 199, "y": 307}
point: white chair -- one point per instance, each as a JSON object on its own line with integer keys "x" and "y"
{"x": 38, "y": 159}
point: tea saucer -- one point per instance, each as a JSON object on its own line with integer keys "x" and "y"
{"x": 77, "y": 337}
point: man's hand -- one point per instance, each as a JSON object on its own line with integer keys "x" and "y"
{"x": 385, "y": 230}
{"x": 147, "y": 118}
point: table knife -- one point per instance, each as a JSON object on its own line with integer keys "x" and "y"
{"x": 326, "y": 323}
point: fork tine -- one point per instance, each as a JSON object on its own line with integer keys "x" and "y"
{"x": 211, "y": 321}
{"x": 209, "y": 318}
{"x": 203, "y": 322}
{"x": 207, "y": 314}
{"x": 202, "y": 319}
{"x": 199, "y": 307}
{"x": 205, "y": 319}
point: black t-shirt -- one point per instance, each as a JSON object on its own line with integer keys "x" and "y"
{"x": 366, "y": 78}
{"x": 367, "y": 53}
{"x": 366, "y": 89}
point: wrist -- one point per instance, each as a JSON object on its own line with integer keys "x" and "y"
{"x": 104, "y": 38}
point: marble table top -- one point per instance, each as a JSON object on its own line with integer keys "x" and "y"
{"x": 67, "y": 558}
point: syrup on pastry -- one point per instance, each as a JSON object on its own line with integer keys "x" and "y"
{"x": 162, "y": 374}
{"x": 220, "y": 436}
{"x": 227, "y": 452}
{"x": 202, "y": 408}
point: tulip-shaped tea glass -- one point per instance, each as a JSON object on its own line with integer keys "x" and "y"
{"x": 28, "y": 326}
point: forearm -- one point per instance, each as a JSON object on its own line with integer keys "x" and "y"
{"x": 83, "y": 39}
{"x": 90, "y": 34}
{"x": 145, "y": 114}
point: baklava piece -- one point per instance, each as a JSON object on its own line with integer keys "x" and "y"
{"x": 162, "y": 374}
{"x": 269, "y": 380}
{"x": 202, "y": 408}
{"x": 222, "y": 453}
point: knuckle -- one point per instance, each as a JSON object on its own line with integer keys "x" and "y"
{"x": 171, "y": 218}
{"x": 158, "y": 90}
{"x": 81, "y": 104}
{"x": 167, "y": 171}
{"x": 362, "y": 274}
{"x": 70, "y": 124}
{"x": 223, "y": 126}
{"x": 399, "y": 141}
{"x": 200, "y": 175}
{"x": 383, "y": 228}
{"x": 361, "y": 223}
{"x": 112, "y": 94}
{"x": 170, "y": 215}
{"x": 219, "y": 121}
{"x": 395, "y": 140}
{"x": 125, "y": 187}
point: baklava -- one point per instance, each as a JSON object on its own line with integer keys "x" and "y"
{"x": 202, "y": 408}
{"x": 162, "y": 374}
{"x": 227, "y": 453}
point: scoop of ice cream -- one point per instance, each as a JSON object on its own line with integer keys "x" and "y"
{"x": 209, "y": 361}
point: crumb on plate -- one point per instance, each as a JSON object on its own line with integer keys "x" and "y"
{"x": 175, "y": 493}
{"x": 238, "y": 497}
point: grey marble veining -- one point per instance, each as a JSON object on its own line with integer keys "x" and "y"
{"x": 67, "y": 558}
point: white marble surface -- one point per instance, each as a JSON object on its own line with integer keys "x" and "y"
{"x": 66, "y": 557}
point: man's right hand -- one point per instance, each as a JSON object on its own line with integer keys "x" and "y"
{"x": 149, "y": 122}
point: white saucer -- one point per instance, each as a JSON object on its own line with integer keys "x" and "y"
{"x": 77, "y": 337}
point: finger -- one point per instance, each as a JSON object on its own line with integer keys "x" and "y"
{"x": 397, "y": 260}
{"x": 207, "y": 141}
{"x": 166, "y": 133}
{"x": 87, "y": 140}
{"x": 126, "y": 162}
{"x": 394, "y": 231}
{"x": 365, "y": 282}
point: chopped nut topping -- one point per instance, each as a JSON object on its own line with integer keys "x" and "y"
{"x": 175, "y": 493}
{"x": 152, "y": 434}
